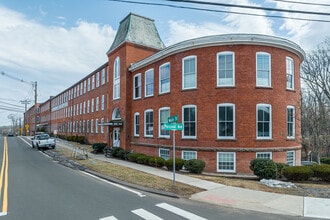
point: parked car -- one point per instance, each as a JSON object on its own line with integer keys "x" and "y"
{"x": 43, "y": 141}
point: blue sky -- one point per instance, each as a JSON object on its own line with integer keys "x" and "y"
{"x": 58, "y": 42}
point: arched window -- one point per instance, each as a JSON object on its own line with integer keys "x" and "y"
{"x": 116, "y": 78}
{"x": 116, "y": 114}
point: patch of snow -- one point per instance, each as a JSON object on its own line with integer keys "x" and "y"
{"x": 277, "y": 183}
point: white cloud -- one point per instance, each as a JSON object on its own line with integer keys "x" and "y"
{"x": 305, "y": 33}
{"x": 232, "y": 23}
{"x": 53, "y": 56}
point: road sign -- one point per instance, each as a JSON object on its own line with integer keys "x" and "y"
{"x": 172, "y": 119}
{"x": 173, "y": 127}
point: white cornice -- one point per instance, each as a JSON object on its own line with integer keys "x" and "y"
{"x": 221, "y": 40}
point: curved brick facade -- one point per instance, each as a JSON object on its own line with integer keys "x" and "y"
{"x": 206, "y": 97}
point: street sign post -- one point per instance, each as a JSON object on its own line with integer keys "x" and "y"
{"x": 172, "y": 125}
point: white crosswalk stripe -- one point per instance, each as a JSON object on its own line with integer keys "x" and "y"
{"x": 146, "y": 215}
{"x": 109, "y": 218}
{"x": 181, "y": 212}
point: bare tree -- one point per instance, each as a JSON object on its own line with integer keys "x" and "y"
{"x": 316, "y": 100}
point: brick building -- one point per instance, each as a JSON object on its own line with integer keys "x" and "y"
{"x": 237, "y": 96}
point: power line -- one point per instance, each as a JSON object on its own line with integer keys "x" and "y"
{"x": 15, "y": 78}
{"x": 304, "y": 3}
{"x": 221, "y": 11}
{"x": 251, "y": 7}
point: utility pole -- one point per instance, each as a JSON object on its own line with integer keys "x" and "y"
{"x": 25, "y": 102}
{"x": 35, "y": 106}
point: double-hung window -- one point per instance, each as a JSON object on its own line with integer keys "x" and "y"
{"x": 164, "y": 113}
{"x": 226, "y": 162}
{"x": 103, "y": 76}
{"x": 189, "y": 121}
{"x": 290, "y": 115}
{"x": 264, "y": 121}
{"x": 264, "y": 155}
{"x": 137, "y": 86}
{"x": 289, "y": 73}
{"x": 97, "y": 79}
{"x": 263, "y": 66}
{"x": 188, "y": 155}
{"x": 136, "y": 124}
{"x": 116, "y": 79}
{"x": 102, "y": 103}
{"x": 93, "y": 82}
{"x": 189, "y": 72}
{"x": 149, "y": 83}
{"x": 97, "y": 104}
{"x": 225, "y": 69}
{"x": 164, "y": 153}
{"x": 102, "y": 125}
{"x": 226, "y": 121}
{"x": 164, "y": 78}
{"x": 148, "y": 123}
{"x": 290, "y": 158}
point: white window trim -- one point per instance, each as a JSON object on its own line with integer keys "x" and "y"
{"x": 225, "y": 53}
{"x": 294, "y": 122}
{"x": 188, "y": 58}
{"x": 270, "y": 122}
{"x": 159, "y": 122}
{"x": 135, "y": 86}
{"x": 160, "y": 85}
{"x": 289, "y": 58}
{"x": 144, "y": 123}
{"x": 226, "y": 171}
{"x": 116, "y": 79}
{"x": 145, "y": 82}
{"x": 234, "y": 122}
{"x": 164, "y": 149}
{"x": 294, "y": 157}
{"x": 135, "y": 133}
{"x": 268, "y": 152}
{"x": 270, "y": 69}
{"x": 188, "y": 151}
{"x": 189, "y": 137}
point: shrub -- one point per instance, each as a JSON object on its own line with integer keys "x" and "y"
{"x": 119, "y": 153}
{"x": 322, "y": 171}
{"x": 194, "y": 166}
{"x": 143, "y": 159}
{"x": 81, "y": 139}
{"x": 263, "y": 168}
{"x": 280, "y": 167}
{"x": 325, "y": 160}
{"x": 99, "y": 147}
{"x": 133, "y": 157}
{"x": 178, "y": 164}
{"x": 297, "y": 173}
{"x": 156, "y": 161}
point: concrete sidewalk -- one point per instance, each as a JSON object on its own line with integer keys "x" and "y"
{"x": 234, "y": 197}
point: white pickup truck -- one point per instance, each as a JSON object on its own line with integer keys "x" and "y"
{"x": 43, "y": 141}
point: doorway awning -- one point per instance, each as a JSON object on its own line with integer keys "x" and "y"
{"x": 113, "y": 123}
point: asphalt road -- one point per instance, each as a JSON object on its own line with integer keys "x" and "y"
{"x": 39, "y": 189}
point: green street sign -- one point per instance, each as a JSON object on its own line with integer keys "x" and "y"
{"x": 173, "y": 127}
{"x": 172, "y": 119}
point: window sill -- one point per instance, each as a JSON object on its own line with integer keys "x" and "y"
{"x": 264, "y": 87}
{"x": 260, "y": 139}
{"x": 227, "y": 140}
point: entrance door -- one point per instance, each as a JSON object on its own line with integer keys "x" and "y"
{"x": 116, "y": 137}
